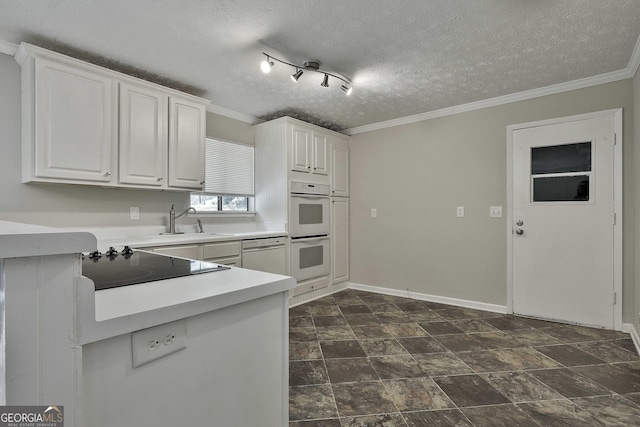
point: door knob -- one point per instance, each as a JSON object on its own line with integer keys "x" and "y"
{"x": 519, "y": 223}
{"x": 519, "y": 231}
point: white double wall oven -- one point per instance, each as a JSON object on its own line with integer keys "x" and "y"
{"x": 309, "y": 230}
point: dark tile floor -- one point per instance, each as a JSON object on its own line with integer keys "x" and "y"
{"x": 364, "y": 359}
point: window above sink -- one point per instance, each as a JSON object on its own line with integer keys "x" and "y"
{"x": 229, "y": 179}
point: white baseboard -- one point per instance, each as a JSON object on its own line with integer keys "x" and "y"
{"x": 628, "y": 327}
{"x": 432, "y": 298}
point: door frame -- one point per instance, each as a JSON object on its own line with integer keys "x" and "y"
{"x": 617, "y": 202}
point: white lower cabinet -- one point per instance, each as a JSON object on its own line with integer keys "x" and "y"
{"x": 226, "y": 253}
{"x": 339, "y": 239}
{"x": 184, "y": 251}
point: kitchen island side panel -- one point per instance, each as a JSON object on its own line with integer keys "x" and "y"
{"x": 234, "y": 372}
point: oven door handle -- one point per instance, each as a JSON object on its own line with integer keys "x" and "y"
{"x": 309, "y": 239}
{"x": 308, "y": 196}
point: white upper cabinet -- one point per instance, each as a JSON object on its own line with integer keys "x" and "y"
{"x": 187, "y": 123}
{"x": 308, "y": 150}
{"x": 73, "y": 137}
{"x": 339, "y": 168}
{"x": 320, "y": 164}
{"x": 76, "y": 129}
{"x": 143, "y": 135}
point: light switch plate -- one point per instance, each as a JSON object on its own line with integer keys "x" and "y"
{"x": 495, "y": 211}
{"x": 134, "y": 212}
{"x": 374, "y": 212}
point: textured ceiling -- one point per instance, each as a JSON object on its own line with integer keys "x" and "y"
{"x": 404, "y": 57}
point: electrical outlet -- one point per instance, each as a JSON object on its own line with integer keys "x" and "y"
{"x": 460, "y": 211}
{"x": 155, "y": 343}
{"x": 374, "y": 212}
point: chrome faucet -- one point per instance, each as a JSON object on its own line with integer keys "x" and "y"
{"x": 173, "y": 217}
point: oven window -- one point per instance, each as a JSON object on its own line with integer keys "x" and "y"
{"x": 310, "y": 213}
{"x": 311, "y": 257}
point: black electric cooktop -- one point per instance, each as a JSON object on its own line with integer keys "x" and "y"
{"x": 114, "y": 269}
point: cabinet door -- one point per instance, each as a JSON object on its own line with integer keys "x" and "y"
{"x": 320, "y": 149}
{"x": 339, "y": 169}
{"x": 300, "y": 149}
{"x": 74, "y": 134}
{"x": 340, "y": 240}
{"x": 143, "y": 136}
{"x": 190, "y": 251}
{"x": 186, "y": 144}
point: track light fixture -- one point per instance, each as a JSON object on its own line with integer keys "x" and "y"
{"x": 297, "y": 75}
{"x": 309, "y": 65}
{"x": 266, "y": 65}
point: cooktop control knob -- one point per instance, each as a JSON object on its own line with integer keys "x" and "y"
{"x": 127, "y": 251}
{"x": 95, "y": 255}
{"x": 111, "y": 253}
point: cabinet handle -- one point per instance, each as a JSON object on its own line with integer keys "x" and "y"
{"x": 201, "y": 182}
{"x": 107, "y": 174}
{"x": 160, "y": 178}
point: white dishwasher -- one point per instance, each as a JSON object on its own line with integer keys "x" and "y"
{"x": 266, "y": 254}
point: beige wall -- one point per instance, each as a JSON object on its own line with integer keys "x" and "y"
{"x": 415, "y": 175}
{"x": 71, "y": 205}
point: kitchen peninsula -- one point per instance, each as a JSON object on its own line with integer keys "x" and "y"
{"x": 234, "y": 327}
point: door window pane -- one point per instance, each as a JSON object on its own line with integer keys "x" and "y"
{"x": 561, "y": 188}
{"x": 561, "y": 158}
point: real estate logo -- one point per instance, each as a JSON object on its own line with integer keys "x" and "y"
{"x": 31, "y": 416}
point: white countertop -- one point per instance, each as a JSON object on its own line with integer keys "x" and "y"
{"x": 112, "y": 312}
{"x": 24, "y": 240}
{"x": 181, "y": 239}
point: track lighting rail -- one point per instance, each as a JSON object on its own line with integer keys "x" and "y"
{"x": 309, "y": 65}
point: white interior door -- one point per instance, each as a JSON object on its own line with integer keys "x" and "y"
{"x": 563, "y": 221}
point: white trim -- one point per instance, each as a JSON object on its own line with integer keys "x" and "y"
{"x": 634, "y": 61}
{"x": 8, "y": 48}
{"x": 494, "y": 308}
{"x": 493, "y": 102}
{"x": 617, "y": 228}
{"x": 222, "y": 111}
{"x": 318, "y": 293}
{"x": 631, "y": 330}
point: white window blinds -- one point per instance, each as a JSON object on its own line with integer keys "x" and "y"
{"x": 229, "y": 168}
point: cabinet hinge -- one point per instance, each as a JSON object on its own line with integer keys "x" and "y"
{"x": 615, "y": 298}
{"x": 615, "y": 218}
{"x": 615, "y": 138}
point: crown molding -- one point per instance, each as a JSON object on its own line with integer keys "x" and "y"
{"x": 634, "y": 61}
{"x": 500, "y": 100}
{"x": 222, "y": 111}
{"x": 8, "y": 48}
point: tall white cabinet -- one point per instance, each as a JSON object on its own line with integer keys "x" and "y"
{"x": 84, "y": 124}
{"x": 339, "y": 210}
{"x": 287, "y": 150}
